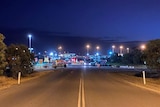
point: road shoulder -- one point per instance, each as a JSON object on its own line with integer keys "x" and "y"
{"x": 6, "y": 82}
{"x": 152, "y": 84}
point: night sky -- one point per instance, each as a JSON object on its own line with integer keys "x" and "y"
{"x": 108, "y": 20}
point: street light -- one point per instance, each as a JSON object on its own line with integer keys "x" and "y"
{"x": 121, "y": 49}
{"x": 143, "y": 47}
{"x": 97, "y": 48}
{"x": 127, "y": 50}
{"x": 113, "y": 48}
{"x": 30, "y": 41}
{"x": 87, "y": 46}
{"x": 60, "y": 48}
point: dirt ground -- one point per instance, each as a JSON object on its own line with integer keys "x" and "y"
{"x": 6, "y": 82}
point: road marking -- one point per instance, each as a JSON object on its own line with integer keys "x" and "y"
{"x": 81, "y": 94}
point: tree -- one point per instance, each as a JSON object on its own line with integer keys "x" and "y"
{"x": 137, "y": 57}
{"x": 19, "y": 59}
{"x": 3, "y": 62}
{"x": 128, "y": 58}
{"x": 134, "y": 57}
{"x": 115, "y": 58}
{"x": 152, "y": 54}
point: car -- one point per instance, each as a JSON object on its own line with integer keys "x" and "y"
{"x": 59, "y": 63}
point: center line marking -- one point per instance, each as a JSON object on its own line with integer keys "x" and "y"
{"x": 81, "y": 93}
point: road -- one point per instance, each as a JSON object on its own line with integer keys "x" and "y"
{"x": 78, "y": 87}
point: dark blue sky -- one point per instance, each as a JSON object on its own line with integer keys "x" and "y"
{"x": 97, "y": 22}
{"x": 110, "y": 19}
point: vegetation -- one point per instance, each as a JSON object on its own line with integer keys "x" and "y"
{"x": 132, "y": 58}
{"x": 3, "y": 62}
{"x": 14, "y": 59}
{"x": 149, "y": 56}
{"x": 115, "y": 58}
{"x": 152, "y": 54}
{"x": 19, "y": 60}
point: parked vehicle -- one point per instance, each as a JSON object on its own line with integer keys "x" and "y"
{"x": 59, "y": 63}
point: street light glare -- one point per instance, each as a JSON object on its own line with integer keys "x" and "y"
{"x": 97, "y": 47}
{"x": 121, "y": 47}
{"x": 51, "y": 54}
{"x": 60, "y": 47}
{"x": 113, "y": 46}
{"x": 29, "y": 35}
{"x": 143, "y": 47}
{"x": 88, "y": 46}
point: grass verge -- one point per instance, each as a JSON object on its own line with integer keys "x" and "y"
{"x": 152, "y": 84}
{"x": 6, "y": 82}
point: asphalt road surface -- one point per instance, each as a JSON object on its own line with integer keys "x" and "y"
{"x": 78, "y": 87}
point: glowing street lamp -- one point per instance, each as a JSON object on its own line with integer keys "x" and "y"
{"x": 51, "y": 54}
{"x": 143, "y": 47}
{"x": 60, "y": 48}
{"x": 97, "y": 48}
{"x": 113, "y": 48}
{"x": 121, "y": 49}
{"x": 30, "y": 42}
{"x": 87, "y": 46}
{"x": 127, "y": 50}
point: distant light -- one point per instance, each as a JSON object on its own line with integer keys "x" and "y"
{"x": 39, "y": 53}
{"x": 121, "y": 47}
{"x": 51, "y": 54}
{"x": 87, "y": 46}
{"x": 29, "y": 35}
{"x": 97, "y": 53}
{"x": 60, "y": 55}
{"x": 113, "y": 46}
{"x": 97, "y": 47}
{"x": 55, "y": 54}
{"x": 110, "y": 52}
{"x": 143, "y": 47}
{"x": 60, "y": 47}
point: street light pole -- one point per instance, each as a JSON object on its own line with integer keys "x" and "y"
{"x": 60, "y": 48}
{"x": 121, "y": 48}
{"x": 143, "y": 47}
{"x": 88, "y": 46}
{"x": 113, "y": 48}
{"x": 30, "y": 42}
{"x": 97, "y": 49}
{"x": 127, "y": 50}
